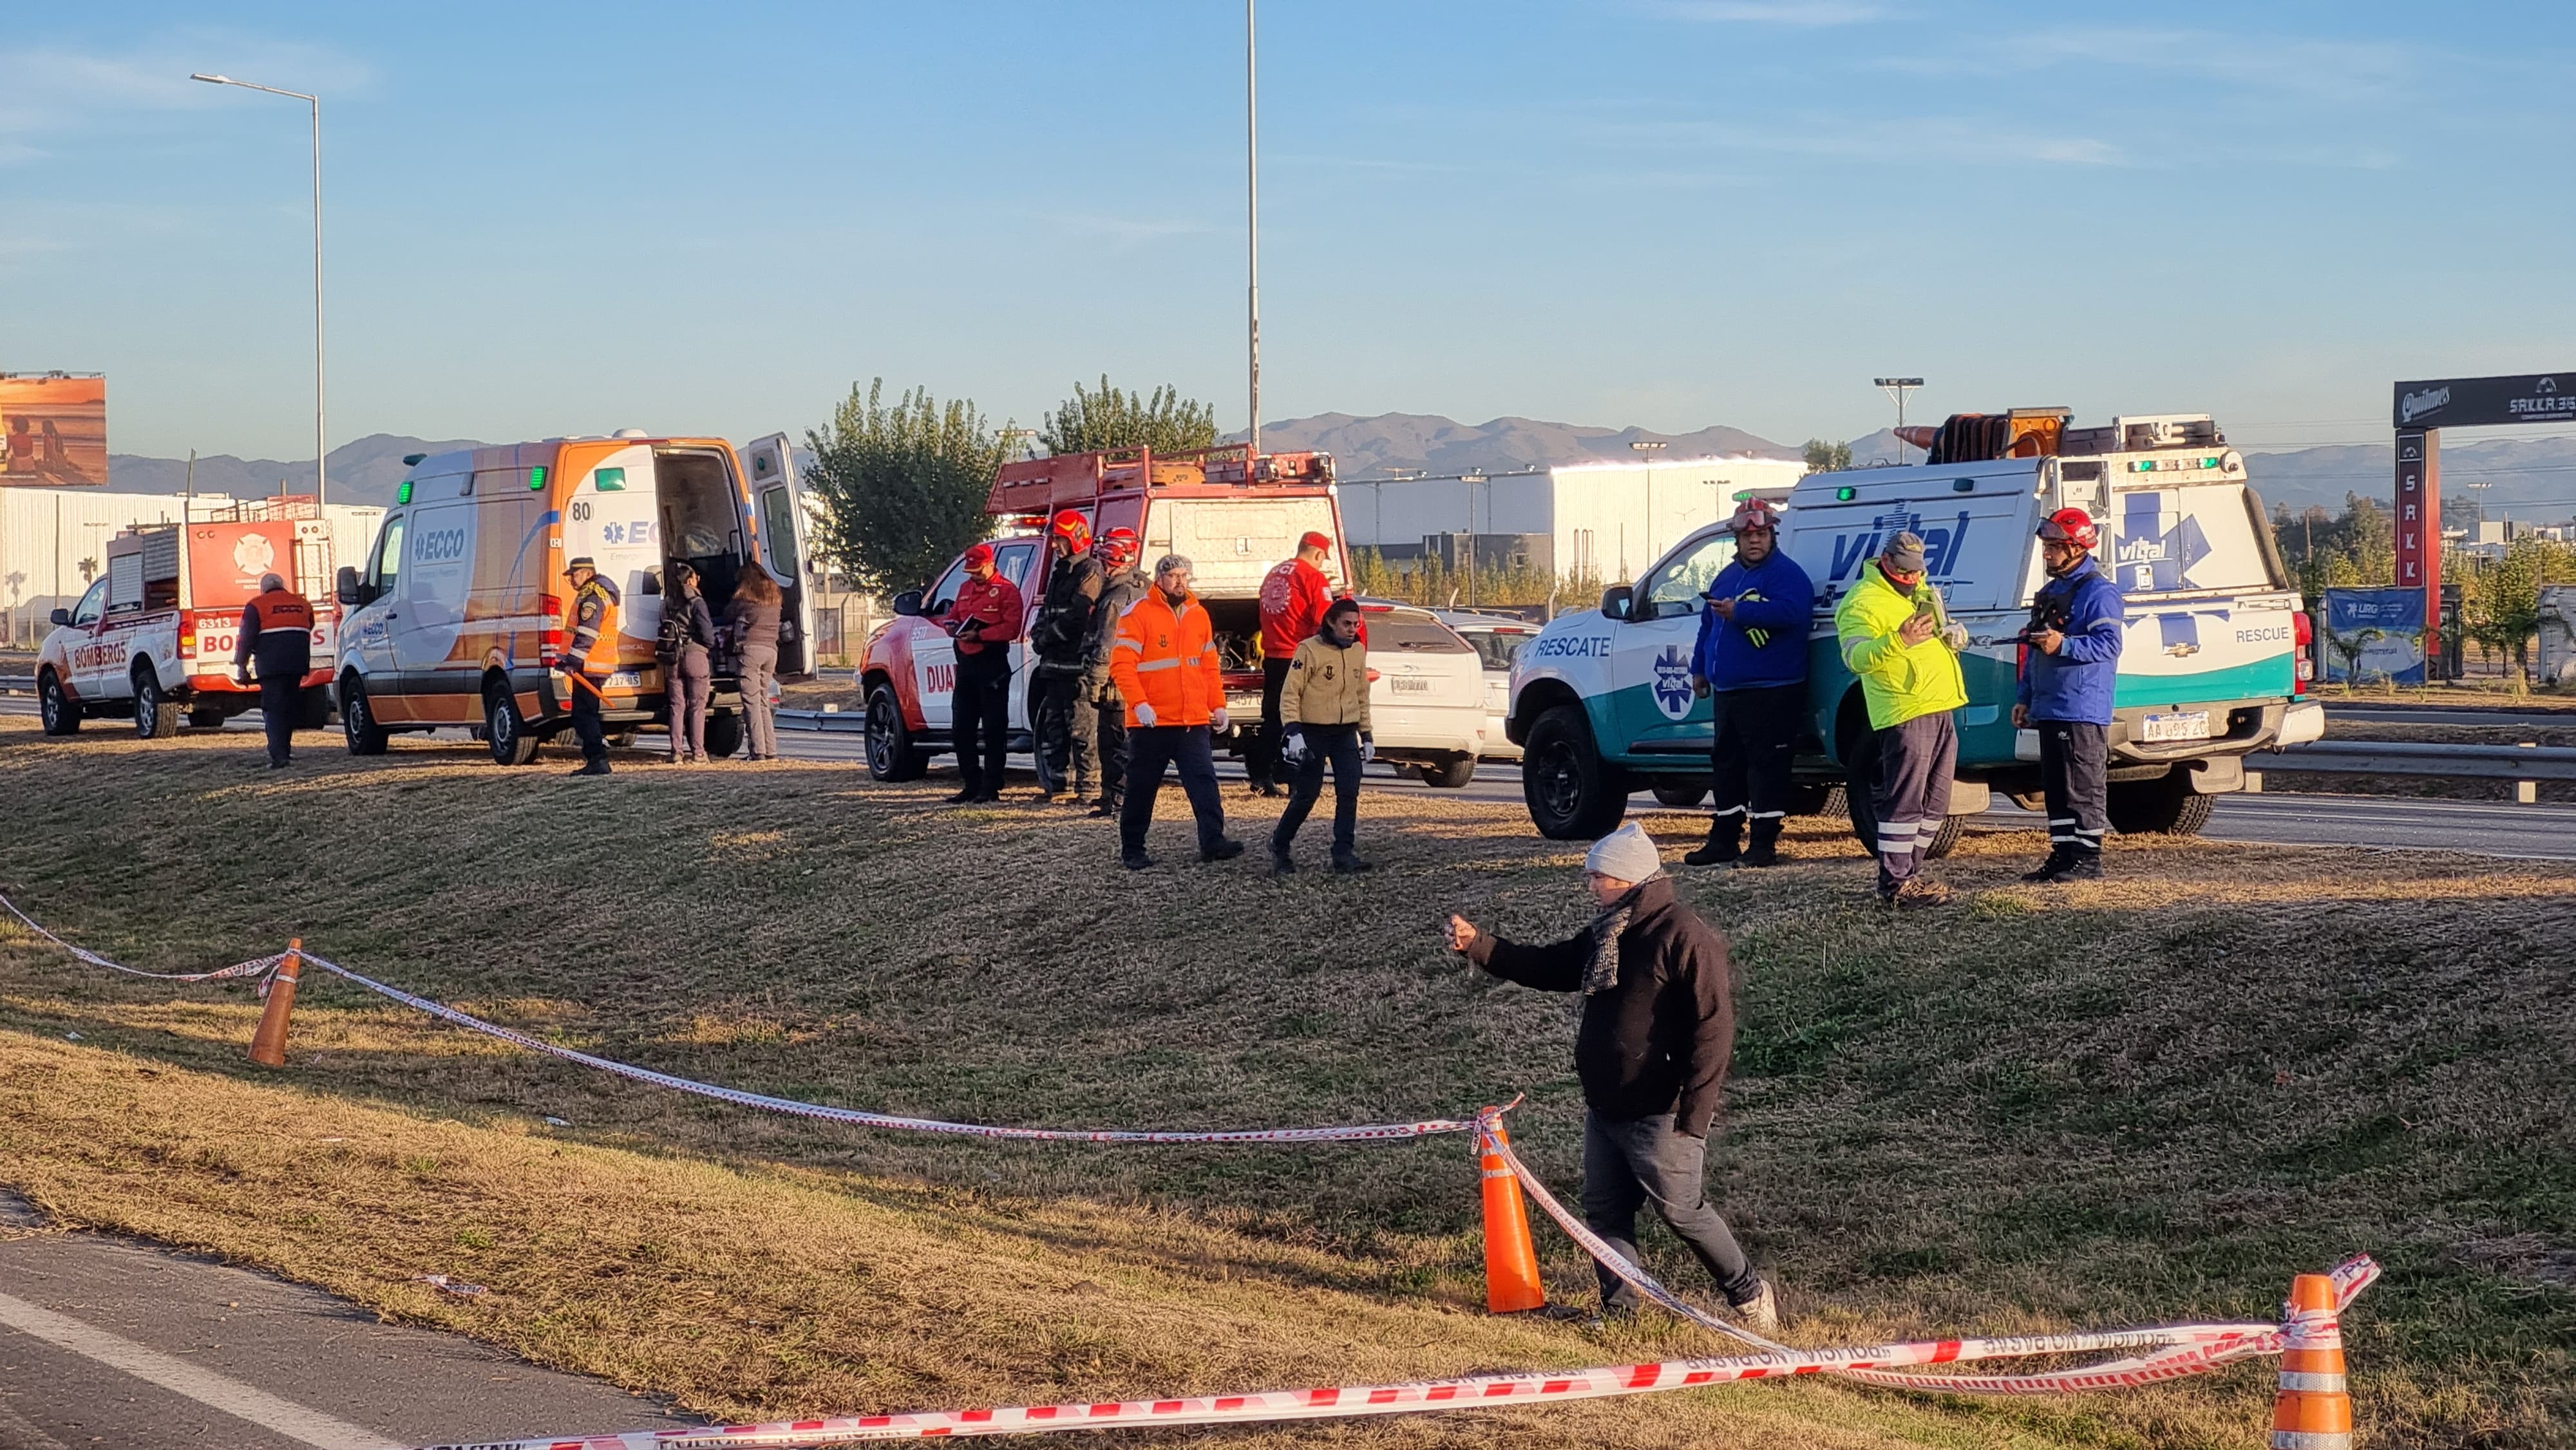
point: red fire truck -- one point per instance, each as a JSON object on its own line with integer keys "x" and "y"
{"x": 153, "y": 637}
{"x": 1234, "y": 513}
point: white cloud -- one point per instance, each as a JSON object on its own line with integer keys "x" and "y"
{"x": 56, "y": 92}
{"x": 1775, "y": 12}
{"x": 2281, "y": 64}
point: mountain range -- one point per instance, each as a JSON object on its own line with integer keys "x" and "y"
{"x": 2527, "y": 478}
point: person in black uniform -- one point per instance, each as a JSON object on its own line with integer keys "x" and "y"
{"x": 277, "y": 634}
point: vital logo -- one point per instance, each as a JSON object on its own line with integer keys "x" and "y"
{"x": 1672, "y": 683}
{"x": 2158, "y": 545}
{"x": 1941, "y": 546}
{"x": 2412, "y": 406}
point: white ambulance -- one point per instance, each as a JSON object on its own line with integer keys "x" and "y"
{"x": 2215, "y": 665}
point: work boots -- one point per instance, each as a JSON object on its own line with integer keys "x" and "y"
{"x": 1765, "y": 850}
{"x": 1722, "y": 847}
{"x": 2052, "y": 869}
{"x": 1348, "y": 863}
{"x": 2070, "y": 863}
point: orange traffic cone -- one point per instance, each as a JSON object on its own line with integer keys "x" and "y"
{"x": 1511, "y": 1262}
{"x": 2313, "y": 1411}
{"x": 268, "y": 1044}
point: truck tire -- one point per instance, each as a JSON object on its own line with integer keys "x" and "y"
{"x": 155, "y": 717}
{"x": 2165, "y": 807}
{"x": 358, "y": 719}
{"x": 1680, "y": 797}
{"x": 1808, "y": 798}
{"x": 317, "y": 708}
{"x": 724, "y": 735}
{"x": 61, "y": 715}
{"x": 892, "y": 756}
{"x": 504, "y": 728}
{"x": 1450, "y": 774}
{"x": 1572, "y": 793}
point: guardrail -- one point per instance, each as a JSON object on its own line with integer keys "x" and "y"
{"x": 832, "y": 722}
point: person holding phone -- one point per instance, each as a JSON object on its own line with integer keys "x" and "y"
{"x": 1896, "y": 641}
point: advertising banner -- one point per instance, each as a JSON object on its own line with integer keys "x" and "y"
{"x": 2374, "y": 635}
{"x": 53, "y": 429}
{"x": 2486, "y": 402}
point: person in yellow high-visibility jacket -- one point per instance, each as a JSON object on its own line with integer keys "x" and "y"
{"x": 1165, "y": 666}
{"x": 1905, "y": 652}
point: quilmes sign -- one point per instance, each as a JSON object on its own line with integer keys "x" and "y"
{"x": 1941, "y": 543}
{"x": 2486, "y": 402}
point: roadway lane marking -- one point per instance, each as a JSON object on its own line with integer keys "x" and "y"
{"x": 215, "y": 1391}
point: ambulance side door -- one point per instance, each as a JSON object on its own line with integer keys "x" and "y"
{"x": 778, "y": 512}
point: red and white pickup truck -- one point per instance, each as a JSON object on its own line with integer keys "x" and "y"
{"x": 1236, "y": 515}
{"x": 153, "y": 637}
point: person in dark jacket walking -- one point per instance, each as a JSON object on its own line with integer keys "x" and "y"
{"x": 688, "y": 674}
{"x": 2065, "y": 691}
{"x": 1064, "y": 725}
{"x": 277, "y": 632}
{"x": 1121, "y": 584}
{"x": 1658, "y": 1026}
{"x": 751, "y": 629}
{"x": 1751, "y": 660}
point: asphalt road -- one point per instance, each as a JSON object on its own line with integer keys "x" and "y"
{"x": 2501, "y": 717}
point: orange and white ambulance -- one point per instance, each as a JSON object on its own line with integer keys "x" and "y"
{"x": 457, "y": 616}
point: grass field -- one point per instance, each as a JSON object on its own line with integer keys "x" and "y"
{"x": 2151, "y": 1099}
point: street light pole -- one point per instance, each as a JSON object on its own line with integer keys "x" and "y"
{"x": 1468, "y": 481}
{"x": 321, "y": 464}
{"x": 1898, "y": 388}
{"x": 1252, "y": 214}
{"x": 1647, "y": 448}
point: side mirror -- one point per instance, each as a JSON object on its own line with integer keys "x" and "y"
{"x": 62, "y": 616}
{"x": 347, "y": 587}
{"x": 1615, "y": 601}
{"x": 908, "y": 603}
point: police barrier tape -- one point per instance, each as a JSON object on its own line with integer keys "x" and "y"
{"x": 258, "y": 967}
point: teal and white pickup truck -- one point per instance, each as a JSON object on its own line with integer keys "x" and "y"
{"x": 2215, "y": 665}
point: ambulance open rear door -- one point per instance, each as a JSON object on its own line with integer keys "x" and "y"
{"x": 777, "y": 503}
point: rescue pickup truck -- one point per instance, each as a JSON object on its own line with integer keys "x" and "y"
{"x": 152, "y": 639}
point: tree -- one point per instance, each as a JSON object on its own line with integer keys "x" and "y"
{"x": 1824, "y": 457}
{"x": 903, "y": 487}
{"x": 2502, "y": 612}
{"x": 1103, "y": 417}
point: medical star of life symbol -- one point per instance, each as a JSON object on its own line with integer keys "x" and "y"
{"x": 2151, "y": 555}
{"x": 1672, "y": 684}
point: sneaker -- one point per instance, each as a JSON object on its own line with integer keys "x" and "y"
{"x": 2051, "y": 870}
{"x": 1349, "y": 864}
{"x": 1761, "y": 1313}
{"x": 1720, "y": 849}
{"x": 1136, "y": 861}
{"x": 1266, "y": 788}
{"x": 596, "y": 767}
{"x": 1281, "y": 863}
{"x": 1917, "y": 893}
{"x": 1224, "y": 850}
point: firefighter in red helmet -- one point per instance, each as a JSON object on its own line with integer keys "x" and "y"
{"x": 1059, "y": 640}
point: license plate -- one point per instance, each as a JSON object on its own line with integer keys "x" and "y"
{"x": 2180, "y": 725}
{"x": 1404, "y": 686}
{"x": 625, "y": 680}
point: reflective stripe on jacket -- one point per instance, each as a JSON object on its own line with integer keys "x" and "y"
{"x": 591, "y": 620}
{"x": 276, "y": 630}
{"x": 2078, "y": 681}
{"x": 1899, "y": 681}
{"x": 1326, "y": 685}
{"x": 1166, "y": 657}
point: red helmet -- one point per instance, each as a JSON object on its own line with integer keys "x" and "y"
{"x": 2071, "y": 526}
{"x": 1070, "y": 526}
{"x": 1754, "y": 513}
{"x": 1119, "y": 548}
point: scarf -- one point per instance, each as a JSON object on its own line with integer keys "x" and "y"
{"x": 1603, "y": 973}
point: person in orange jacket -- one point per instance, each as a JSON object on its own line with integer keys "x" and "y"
{"x": 984, "y": 619}
{"x": 277, "y": 634}
{"x": 1165, "y": 665}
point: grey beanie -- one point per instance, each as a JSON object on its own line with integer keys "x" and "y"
{"x": 1626, "y": 854}
{"x": 271, "y": 583}
{"x": 1905, "y": 552}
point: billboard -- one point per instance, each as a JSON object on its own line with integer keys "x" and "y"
{"x": 2486, "y": 402}
{"x": 2375, "y": 634}
{"x": 53, "y": 429}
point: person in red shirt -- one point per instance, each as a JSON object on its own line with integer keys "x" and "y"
{"x": 985, "y": 617}
{"x": 1294, "y": 597}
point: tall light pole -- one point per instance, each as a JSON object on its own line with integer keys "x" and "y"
{"x": 1899, "y": 388}
{"x": 1252, "y": 214}
{"x": 321, "y": 467}
{"x": 1468, "y": 482}
{"x": 1647, "y": 448}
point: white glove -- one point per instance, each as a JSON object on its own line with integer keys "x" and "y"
{"x": 1293, "y": 748}
{"x": 1955, "y": 635}
{"x": 1368, "y": 749}
{"x": 1145, "y": 715}
{"x": 1217, "y": 720}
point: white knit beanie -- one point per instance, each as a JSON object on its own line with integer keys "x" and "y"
{"x": 1626, "y": 854}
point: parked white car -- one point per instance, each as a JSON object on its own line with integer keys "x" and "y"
{"x": 1497, "y": 638}
{"x": 1427, "y": 709}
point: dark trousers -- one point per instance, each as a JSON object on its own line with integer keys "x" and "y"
{"x": 2074, "y": 775}
{"x": 1108, "y": 713}
{"x": 1065, "y": 726}
{"x": 686, "y": 684}
{"x": 1757, "y": 734}
{"x": 979, "y": 717}
{"x": 1629, "y": 1164}
{"x": 587, "y": 727}
{"x": 281, "y": 704}
{"x": 1915, "y": 762}
{"x": 1339, "y": 744}
{"x": 1152, "y": 749}
{"x": 1261, "y": 763}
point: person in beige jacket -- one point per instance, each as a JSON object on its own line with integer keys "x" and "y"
{"x": 1324, "y": 715}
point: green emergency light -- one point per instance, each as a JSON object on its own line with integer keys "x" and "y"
{"x": 402, "y": 495}
{"x": 536, "y": 478}
{"x": 1846, "y": 494}
{"x": 608, "y": 480}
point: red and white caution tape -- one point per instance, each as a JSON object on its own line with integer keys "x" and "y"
{"x": 255, "y": 968}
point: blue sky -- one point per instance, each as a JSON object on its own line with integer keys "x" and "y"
{"x": 551, "y": 218}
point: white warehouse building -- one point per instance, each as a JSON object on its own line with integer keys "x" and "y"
{"x": 1610, "y": 519}
{"x": 46, "y": 534}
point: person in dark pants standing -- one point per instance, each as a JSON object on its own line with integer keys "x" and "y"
{"x": 1905, "y": 653}
{"x": 1121, "y": 585}
{"x": 1165, "y": 663}
{"x": 1658, "y": 1027}
{"x": 1751, "y": 660}
{"x": 751, "y": 628}
{"x": 277, "y": 633}
{"x": 688, "y": 672}
{"x": 1060, "y": 720}
{"x": 1324, "y": 707}
{"x": 590, "y": 658}
{"x": 984, "y": 619}
{"x": 1293, "y": 596}
{"x": 2065, "y": 690}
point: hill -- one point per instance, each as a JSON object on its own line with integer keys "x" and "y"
{"x": 364, "y": 471}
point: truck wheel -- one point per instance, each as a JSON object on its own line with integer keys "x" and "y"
{"x": 154, "y": 716}
{"x": 892, "y": 756}
{"x": 316, "y": 711}
{"x": 1680, "y": 797}
{"x": 358, "y": 719}
{"x": 1573, "y": 794}
{"x": 1810, "y": 799}
{"x": 61, "y": 716}
{"x": 1952, "y": 828}
{"x": 724, "y": 736}
{"x": 2165, "y": 807}
{"x": 1452, "y": 773}
{"x": 504, "y": 728}
{"x": 205, "y": 719}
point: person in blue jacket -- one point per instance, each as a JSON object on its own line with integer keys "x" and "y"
{"x": 2064, "y": 692}
{"x": 1752, "y": 659}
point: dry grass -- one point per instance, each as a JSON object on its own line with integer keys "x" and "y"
{"x": 2155, "y": 1098}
